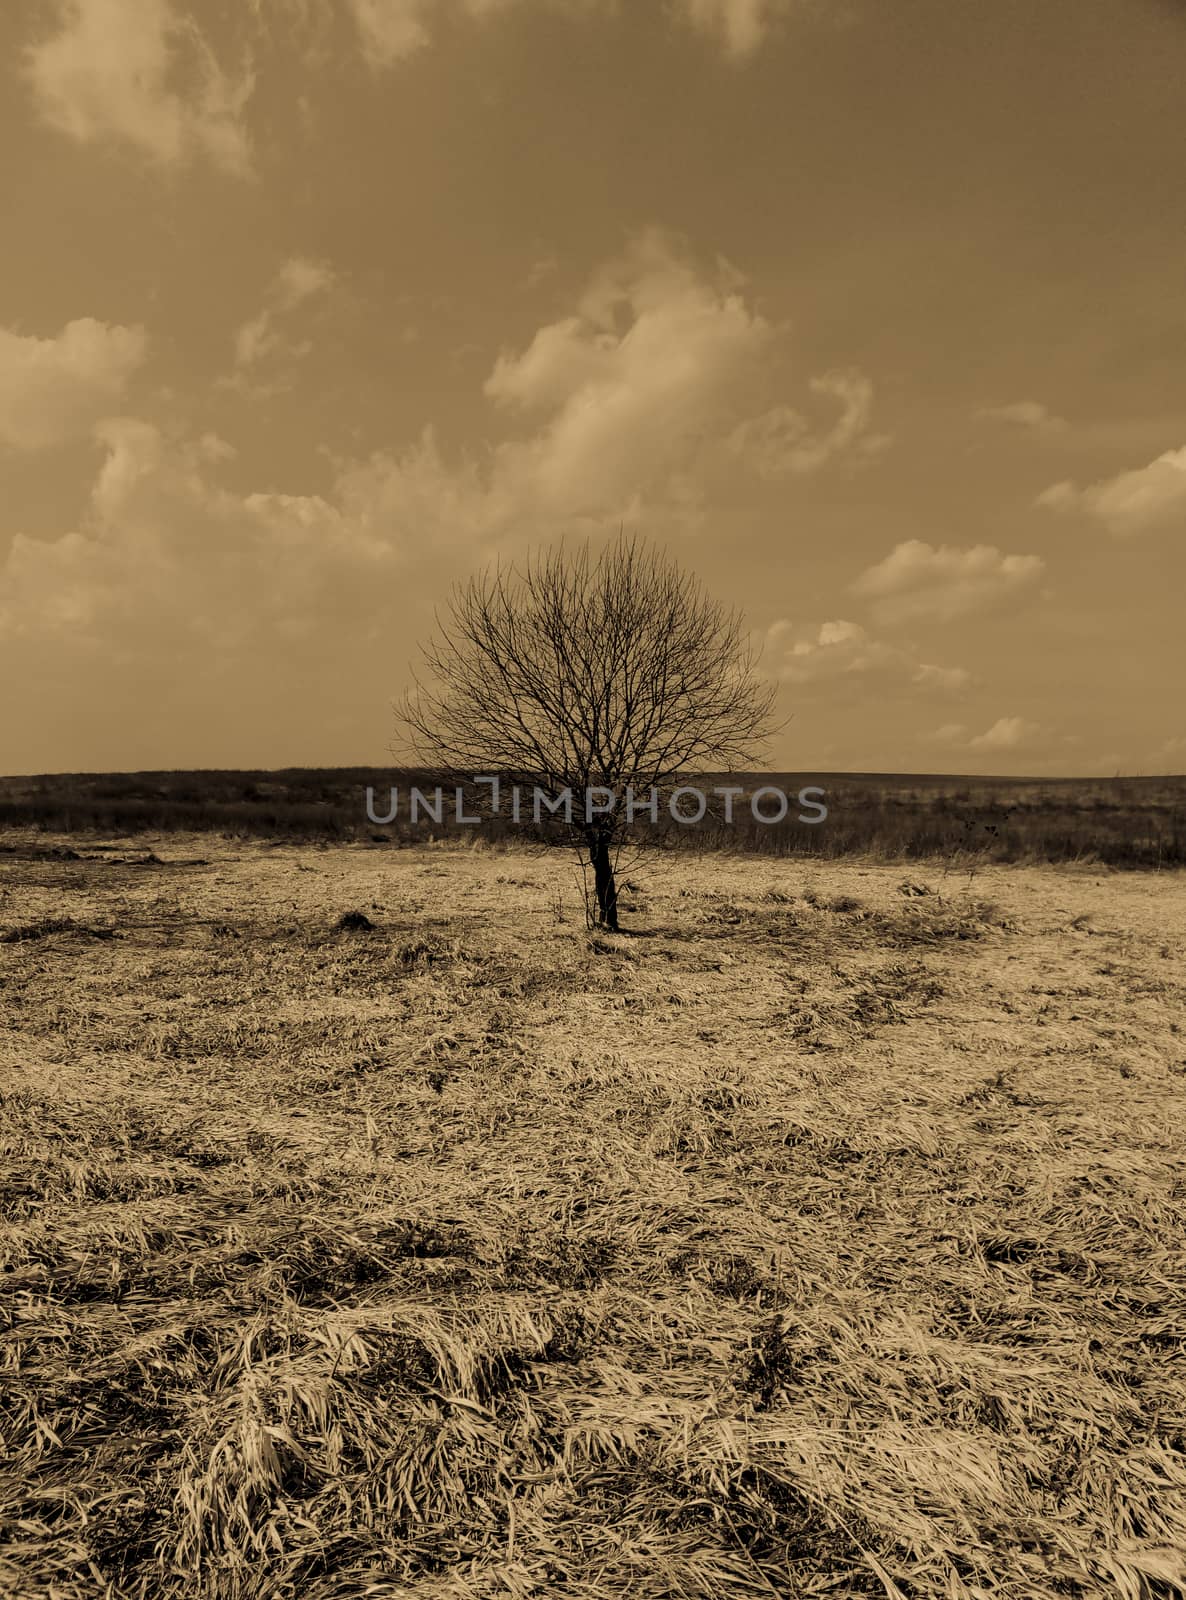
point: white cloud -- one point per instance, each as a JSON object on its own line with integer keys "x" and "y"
{"x": 54, "y": 389}
{"x": 1028, "y": 414}
{"x": 951, "y": 680}
{"x": 840, "y": 649}
{"x": 1006, "y": 733}
{"x": 109, "y": 68}
{"x": 918, "y": 580}
{"x": 769, "y": 443}
{"x": 253, "y": 340}
{"x": 167, "y": 560}
{"x": 297, "y": 280}
{"x": 739, "y": 26}
{"x": 1145, "y": 500}
{"x": 391, "y": 30}
{"x": 648, "y": 368}
{"x": 780, "y": 441}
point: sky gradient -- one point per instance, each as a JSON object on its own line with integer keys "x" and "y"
{"x": 873, "y": 315}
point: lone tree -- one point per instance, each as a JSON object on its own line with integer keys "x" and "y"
{"x": 578, "y": 674}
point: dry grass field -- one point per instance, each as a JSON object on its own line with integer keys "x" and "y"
{"x": 824, "y": 1237}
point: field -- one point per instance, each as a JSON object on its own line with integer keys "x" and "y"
{"x": 1132, "y": 822}
{"x": 824, "y": 1236}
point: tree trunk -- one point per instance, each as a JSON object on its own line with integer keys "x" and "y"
{"x": 603, "y": 879}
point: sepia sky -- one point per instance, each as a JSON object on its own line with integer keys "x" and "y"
{"x": 873, "y": 312}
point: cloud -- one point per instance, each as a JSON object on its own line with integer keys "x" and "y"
{"x": 951, "y": 680}
{"x": 610, "y": 413}
{"x": 918, "y": 580}
{"x": 167, "y": 560}
{"x": 836, "y": 648}
{"x": 109, "y": 68}
{"x": 1006, "y": 733}
{"x": 740, "y": 27}
{"x": 142, "y": 72}
{"x": 647, "y": 369}
{"x": 1145, "y": 500}
{"x": 840, "y": 649}
{"x": 297, "y": 281}
{"x": 391, "y": 30}
{"x": 769, "y": 443}
{"x": 1028, "y": 414}
{"x": 616, "y": 402}
{"x": 300, "y": 607}
{"x": 55, "y": 389}
{"x": 780, "y": 441}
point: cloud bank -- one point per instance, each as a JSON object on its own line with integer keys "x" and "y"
{"x": 616, "y": 409}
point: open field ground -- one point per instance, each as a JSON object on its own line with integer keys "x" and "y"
{"x": 825, "y": 1237}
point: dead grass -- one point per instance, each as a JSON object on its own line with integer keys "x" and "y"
{"x": 824, "y": 1236}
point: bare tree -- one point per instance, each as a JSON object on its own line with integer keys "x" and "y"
{"x": 578, "y": 674}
